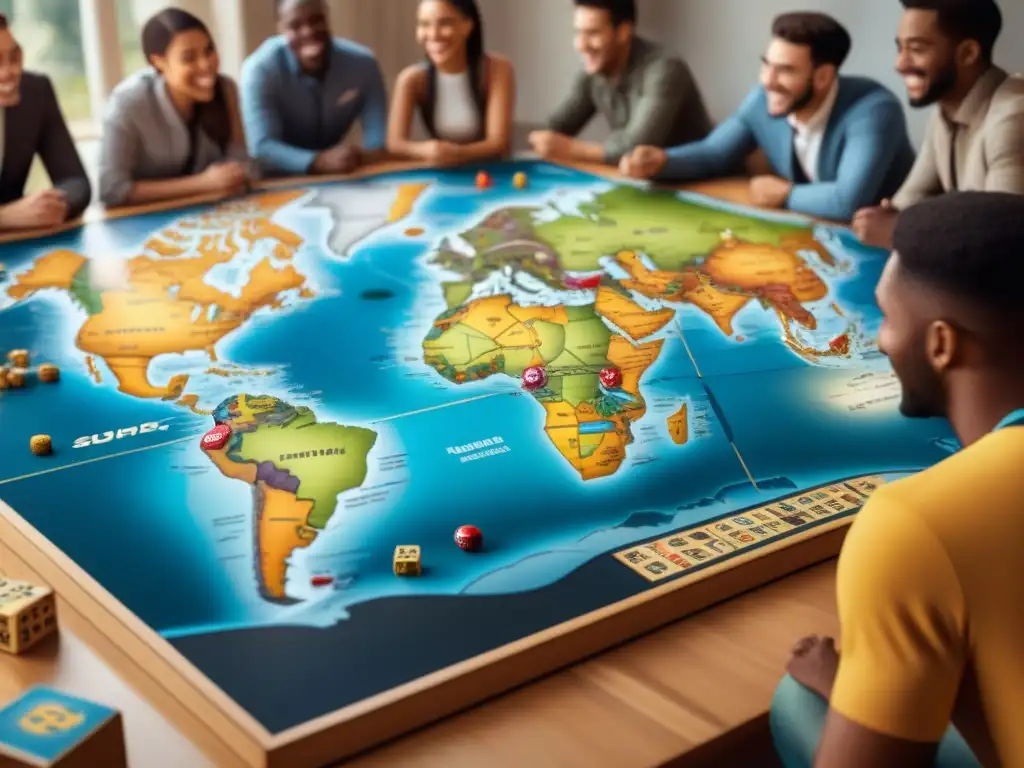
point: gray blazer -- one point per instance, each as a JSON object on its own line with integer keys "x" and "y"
{"x": 144, "y": 137}
{"x": 35, "y": 126}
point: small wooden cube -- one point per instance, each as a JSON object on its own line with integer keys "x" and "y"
{"x": 16, "y": 378}
{"x": 3, "y": 378}
{"x": 28, "y": 613}
{"x": 49, "y": 373}
{"x": 41, "y": 445}
{"x": 408, "y": 561}
{"x": 18, "y": 358}
{"x": 45, "y": 727}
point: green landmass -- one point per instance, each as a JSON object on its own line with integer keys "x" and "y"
{"x": 674, "y": 233}
{"x": 456, "y": 294}
{"x": 83, "y": 291}
{"x": 573, "y": 354}
{"x": 505, "y": 238}
{"x": 321, "y": 477}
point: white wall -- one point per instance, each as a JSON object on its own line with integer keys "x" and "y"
{"x": 722, "y": 41}
{"x": 724, "y": 54}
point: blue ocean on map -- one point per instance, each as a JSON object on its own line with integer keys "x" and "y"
{"x": 145, "y": 512}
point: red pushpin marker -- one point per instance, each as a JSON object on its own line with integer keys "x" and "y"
{"x": 216, "y": 438}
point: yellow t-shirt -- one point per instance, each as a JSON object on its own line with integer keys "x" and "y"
{"x": 930, "y": 580}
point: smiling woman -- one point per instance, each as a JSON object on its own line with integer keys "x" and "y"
{"x": 464, "y": 95}
{"x": 173, "y": 129}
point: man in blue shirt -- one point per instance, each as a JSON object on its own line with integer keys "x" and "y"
{"x": 303, "y": 90}
{"x": 836, "y": 144}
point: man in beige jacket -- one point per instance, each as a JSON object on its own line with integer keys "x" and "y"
{"x": 975, "y": 138}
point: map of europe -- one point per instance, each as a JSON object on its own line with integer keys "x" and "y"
{"x": 511, "y": 284}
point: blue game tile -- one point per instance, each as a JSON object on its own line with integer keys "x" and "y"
{"x": 44, "y": 723}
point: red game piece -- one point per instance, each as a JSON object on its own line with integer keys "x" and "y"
{"x": 321, "y": 581}
{"x": 611, "y": 377}
{"x": 483, "y": 180}
{"x": 534, "y": 377}
{"x": 840, "y": 343}
{"x": 469, "y": 538}
{"x": 581, "y": 283}
{"x": 216, "y": 438}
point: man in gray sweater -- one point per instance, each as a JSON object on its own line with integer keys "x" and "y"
{"x": 647, "y": 96}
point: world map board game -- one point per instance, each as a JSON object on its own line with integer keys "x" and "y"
{"x": 621, "y": 387}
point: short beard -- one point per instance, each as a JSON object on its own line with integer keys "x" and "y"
{"x": 923, "y": 391}
{"x": 943, "y": 83}
{"x": 804, "y": 99}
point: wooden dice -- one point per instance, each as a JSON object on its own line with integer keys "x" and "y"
{"x": 28, "y": 613}
{"x": 40, "y": 445}
{"x": 49, "y": 373}
{"x": 18, "y": 358}
{"x": 407, "y": 560}
{"x": 45, "y": 727}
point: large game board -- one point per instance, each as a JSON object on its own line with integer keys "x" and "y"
{"x": 366, "y": 342}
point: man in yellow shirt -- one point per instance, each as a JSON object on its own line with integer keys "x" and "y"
{"x": 930, "y": 582}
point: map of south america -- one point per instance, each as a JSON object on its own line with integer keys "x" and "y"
{"x": 296, "y": 467}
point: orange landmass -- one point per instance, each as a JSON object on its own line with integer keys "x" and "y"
{"x": 280, "y": 523}
{"x": 167, "y": 307}
{"x": 600, "y": 454}
{"x": 163, "y": 248}
{"x": 678, "y": 426}
{"x": 56, "y": 269}
{"x": 192, "y": 403}
{"x": 806, "y": 241}
{"x": 90, "y": 364}
{"x": 413, "y": 231}
{"x": 556, "y": 314}
{"x": 490, "y": 316}
{"x": 638, "y": 322}
{"x": 731, "y": 276}
{"x": 235, "y": 470}
{"x": 405, "y": 201}
{"x": 280, "y": 530}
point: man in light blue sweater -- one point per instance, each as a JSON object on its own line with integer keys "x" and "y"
{"x": 836, "y": 143}
{"x": 302, "y": 91}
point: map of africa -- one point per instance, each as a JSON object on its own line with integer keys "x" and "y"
{"x": 334, "y": 327}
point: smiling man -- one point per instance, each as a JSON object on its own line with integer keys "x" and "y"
{"x": 31, "y": 124}
{"x": 928, "y": 583}
{"x": 975, "y": 138}
{"x": 302, "y": 92}
{"x": 836, "y": 143}
{"x": 645, "y": 95}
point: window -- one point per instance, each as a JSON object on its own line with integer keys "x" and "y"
{"x": 130, "y": 18}
{"x": 50, "y": 34}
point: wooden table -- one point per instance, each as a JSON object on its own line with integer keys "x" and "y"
{"x": 691, "y": 693}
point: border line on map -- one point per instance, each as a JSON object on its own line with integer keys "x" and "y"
{"x": 442, "y": 405}
{"x": 30, "y": 475}
{"x": 177, "y": 440}
{"x": 736, "y": 450}
{"x": 686, "y": 346}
